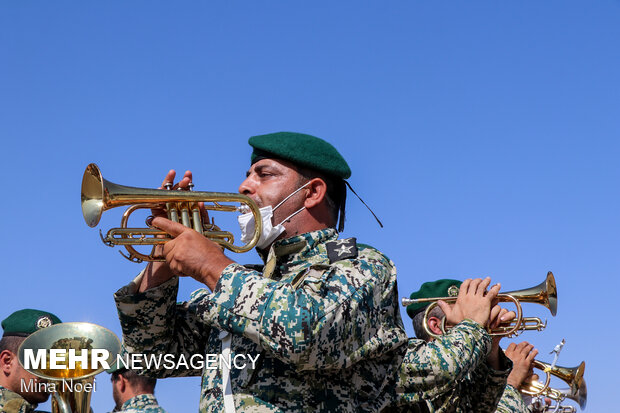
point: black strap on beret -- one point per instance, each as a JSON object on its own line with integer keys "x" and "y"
{"x": 358, "y": 197}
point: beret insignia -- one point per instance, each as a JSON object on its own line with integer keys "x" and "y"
{"x": 44, "y": 321}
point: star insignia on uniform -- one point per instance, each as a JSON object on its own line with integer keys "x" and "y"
{"x": 43, "y": 322}
{"x": 341, "y": 249}
{"x": 344, "y": 250}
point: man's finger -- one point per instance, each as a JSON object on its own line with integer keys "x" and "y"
{"x": 172, "y": 228}
{"x": 169, "y": 179}
{"x": 508, "y": 315}
{"x": 494, "y": 320}
{"x": 473, "y": 286}
{"x": 446, "y": 308}
{"x": 185, "y": 181}
{"x": 482, "y": 287}
{"x": 492, "y": 293}
{"x": 464, "y": 287}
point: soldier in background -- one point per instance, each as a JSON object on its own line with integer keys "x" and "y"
{"x": 133, "y": 393}
{"x": 21, "y": 391}
{"x": 322, "y": 316}
{"x": 489, "y": 384}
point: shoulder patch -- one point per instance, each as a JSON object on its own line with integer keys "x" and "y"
{"x": 341, "y": 249}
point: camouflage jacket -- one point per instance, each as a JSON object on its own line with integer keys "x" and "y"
{"x": 324, "y": 323}
{"x": 512, "y": 402}
{"x": 450, "y": 374}
{"x": 11, "y": 402}
{"x": 142, "y": 403}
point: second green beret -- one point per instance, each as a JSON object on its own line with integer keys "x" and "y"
{"x": 431, "y": 289}
{"x": 27, "y": 321}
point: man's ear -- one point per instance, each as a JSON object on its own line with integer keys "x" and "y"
{"x": 316, "y": 190}
{"x": 122, "y": 383}
{"x": 434, "y": 324}
{"x": 6, "y": 360}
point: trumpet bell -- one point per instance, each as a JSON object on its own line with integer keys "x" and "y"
{"x": 573, "y": 376}
{"x": 579, "y": 391}
{"x": 93, "y": 192}
{"x": 545, "y": 293}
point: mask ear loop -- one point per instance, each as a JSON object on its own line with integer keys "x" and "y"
{"x": 290, "y": 195}
{"x": 291, "y": 216}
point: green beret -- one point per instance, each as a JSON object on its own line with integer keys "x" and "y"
{"x": 25, "y": 322}
{"x": 439, "y": 288}
{"x": 300, "y": 149}
{"x": 115, "y": 367}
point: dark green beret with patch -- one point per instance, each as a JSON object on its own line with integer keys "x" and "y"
{"x": 431, "y": 289}
{"x": 25, "y": 322}
{"x": 300, "y": 149}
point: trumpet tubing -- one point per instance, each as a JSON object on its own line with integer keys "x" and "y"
{"x": 99, "y": 195}
{"x": 527, "y": 323}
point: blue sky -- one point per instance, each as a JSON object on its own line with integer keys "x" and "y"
{"x": 484, "y": 134}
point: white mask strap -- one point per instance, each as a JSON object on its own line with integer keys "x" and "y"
{"x": 291, "y": 216}
{"x": 292, "y": 193}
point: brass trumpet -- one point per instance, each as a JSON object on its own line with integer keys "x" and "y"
{"x": 99, "y": 195}
{"x": 73, "y": 387}
{"x": 573, "y": 376}
{"x": 545, "y": 294}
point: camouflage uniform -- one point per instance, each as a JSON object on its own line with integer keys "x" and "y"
{"x": 450, "y": 374}
{"x": 323, "y": 320}
{"x": 11, "y": 402}
{"x": 142, "y": 403}
{"x": 512, "y": 402}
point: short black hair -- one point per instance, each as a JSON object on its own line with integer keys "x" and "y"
{"x": 138, "y": 382}
{"x": 335, "y": 196}
{"x": 11, "y": 343}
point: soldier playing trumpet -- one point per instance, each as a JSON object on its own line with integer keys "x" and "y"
{"x": 478, "y": 369}
{"x": 321, "y": 317}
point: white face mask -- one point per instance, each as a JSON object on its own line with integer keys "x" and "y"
{"x": 269, "y": 232}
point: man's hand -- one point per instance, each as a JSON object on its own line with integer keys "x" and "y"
{"x": 498, "y": 316}
{"x": 522, "y": 356}
{"x": 191, "y": 254}
{"x": 473, "y": 302}
{"x": 157, "y": 273}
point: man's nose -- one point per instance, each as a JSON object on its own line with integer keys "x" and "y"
{"x": 247, "y": 186}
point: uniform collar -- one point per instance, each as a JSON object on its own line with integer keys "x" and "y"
{"x": 9, "y": 394}
{"x": 140, "y": 400}
{"x": 307, "y": 248}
